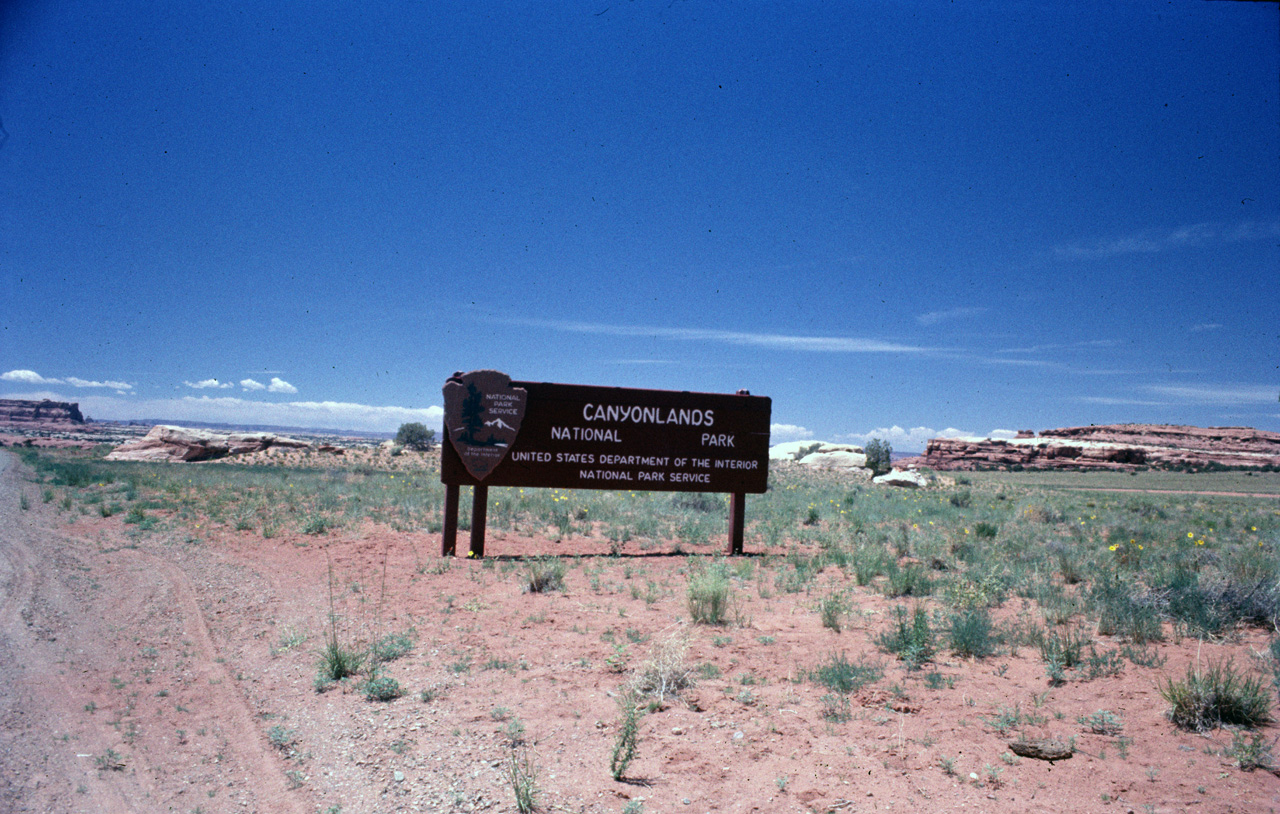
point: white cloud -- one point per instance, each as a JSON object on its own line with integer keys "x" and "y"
{"x": 1003, "y": 434}
{"x": 1224, "y": 394}
{"x": 1152, "y": 241}
{"x": 31, "y": 377}
{"x": 1122, "y": 402}
{"x": 208, "y": 384}
{"x": 250, "y": 384}
{"x": 279, "y": 385}
{"x": 813, "y": 344}
{"x": 72, "y": 380}
{"x": 27, "y": 377}
{"x": 934, "y": 317}
{"x": 781, "y": 433}
{"x": 1088, "y": 343}
{"x": 903, "y": 440}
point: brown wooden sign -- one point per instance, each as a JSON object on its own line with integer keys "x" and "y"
{"x": 567, "y": 436}
{"x": 505, "y": 433}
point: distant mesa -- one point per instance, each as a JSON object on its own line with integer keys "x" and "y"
{"x": 166, "y": 442}
{"x": 19, "y": 411}
{"x": 1121, "y": 447}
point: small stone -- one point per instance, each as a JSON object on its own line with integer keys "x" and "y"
{"x": 399, "y": 776}
{"x": 738, "y": 735}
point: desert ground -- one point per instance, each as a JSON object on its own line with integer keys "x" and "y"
{"x": 163, "y": 630}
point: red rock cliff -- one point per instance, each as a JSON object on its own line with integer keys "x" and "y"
{"x": 18, "y": 411}
{"x": 1111, "y": 446}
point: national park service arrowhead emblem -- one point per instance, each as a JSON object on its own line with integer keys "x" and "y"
{"x": 482, "y": 415}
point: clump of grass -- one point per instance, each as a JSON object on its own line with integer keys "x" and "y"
{"x": 710, "y": 595}
{"x": 545, "y": 574}
{"x": 1102, "y": 722}
{"x": 1060, "y": 652}
{"x": 316, "y": 524}
{"x": 836, "y": 709}
{"x": 1275, "y": 664}
{"x": 910, "y": 639}
{"x": 338, "y": 661}
{"x": 282, "y": 739}
{"x": 907, "y": 580}
{"x": 1216, "y": 695}
{"x": 1124, "y": 611}
{"x": 832, "y": 608}
{"x": 522, "y": 775}
{"x": 970, "y": 633}
{"x": 1007, "y": 718}
{"x": 843, "y": 676}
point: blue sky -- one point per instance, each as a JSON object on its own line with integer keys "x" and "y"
{"x": 900, "y": 219}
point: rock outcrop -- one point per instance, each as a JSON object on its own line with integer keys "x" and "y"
{"x": 1111, "y": 446}
{"x": 823, "y": 455}
{"x": 169, "y": 443}
{"x": 19, "y": 411}
{"x": 910, "y": 479}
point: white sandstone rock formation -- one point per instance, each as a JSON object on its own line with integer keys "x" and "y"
{"x": 166, "y": 442}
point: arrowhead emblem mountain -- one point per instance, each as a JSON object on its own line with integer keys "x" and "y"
{"x": 482, "y": 416}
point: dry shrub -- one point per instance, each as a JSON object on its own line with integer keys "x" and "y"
{"x": 666, "y": 672}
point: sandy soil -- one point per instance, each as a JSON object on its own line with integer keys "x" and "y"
{"x": 173, "y": 671}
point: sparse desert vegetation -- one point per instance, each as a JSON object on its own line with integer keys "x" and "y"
{"x": 874, "y": 641}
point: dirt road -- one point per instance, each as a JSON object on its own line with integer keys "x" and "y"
{"x": 113, "y": 696}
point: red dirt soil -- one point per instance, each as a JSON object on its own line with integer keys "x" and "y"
{"x": 145, "y": 672}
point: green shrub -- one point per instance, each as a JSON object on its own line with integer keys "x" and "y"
{"x": 836, "y": 709}
{"x": 382, "y": 688}
{"x": 1251, "y": 754}
{"x": 833, "y": 608}
{"x": 415, "y": 436}
{"x": 281, "y": 738}
{"x": 1007, "y": 718}
{"x": 391, "y": 647}
{"x": 315, "y": 523}
{"x": 911, "y": 639}
{"x": 908, "y": 580}
{"x": 970, "y": 633}
{"x": 624, "y": 745}
{"x": 879, "y": 454}
{"x": 961, "y": 499}
{"x": 868, "y": 563}
{"x": 844, "y": 676}
{"x": 1123, "y": 610}
{"x": 1214, "y": 696}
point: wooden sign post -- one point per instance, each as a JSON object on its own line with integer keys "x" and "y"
{"x": 565, "y": 436}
